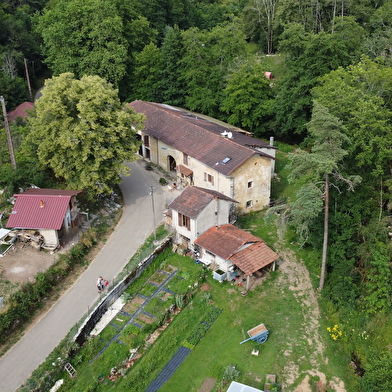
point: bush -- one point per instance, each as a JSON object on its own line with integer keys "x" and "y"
{"x": 231, "y": 373}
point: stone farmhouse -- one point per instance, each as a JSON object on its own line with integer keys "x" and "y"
{"x": 207, "y": 153}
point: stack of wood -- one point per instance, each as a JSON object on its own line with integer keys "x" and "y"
{"x": 32, "y": 236}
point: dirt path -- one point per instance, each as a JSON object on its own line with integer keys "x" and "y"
{"x": 295, "y": 275}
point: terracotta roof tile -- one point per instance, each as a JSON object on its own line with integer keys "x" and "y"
{"x": 245, "y": 250}
{"x": 254, "y": 257}
{"x": 193, "y": 200}
{"x": 196, "y": 136}
{"x": 20, "y": 111}
{"x": 184, "y": 170}
{"x": 225, "y": 240}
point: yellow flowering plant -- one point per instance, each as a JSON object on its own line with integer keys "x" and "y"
{"x": 335, "y": 332}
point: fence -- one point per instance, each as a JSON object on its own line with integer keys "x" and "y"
{"x": 93, "y": 317}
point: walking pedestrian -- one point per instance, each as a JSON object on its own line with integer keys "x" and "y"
{"x": 100, "y": 285}
{"x": 106, "y": 284}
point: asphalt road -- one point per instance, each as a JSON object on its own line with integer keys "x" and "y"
{"x": 135, "y": 226}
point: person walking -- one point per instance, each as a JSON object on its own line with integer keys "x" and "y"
{"x": 100, "y": 285}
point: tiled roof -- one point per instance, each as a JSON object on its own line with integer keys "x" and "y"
{"x": 254, "y": 257}
{"x": 225, "y": 240}
{"x": 197, "y": 137}
{"x": 245, "y": 250}
{"x": 184, "y": 170}
{"x": 40, "y": 209}
{"x": 20, "y": 111}
{"x": 193, "y": 200}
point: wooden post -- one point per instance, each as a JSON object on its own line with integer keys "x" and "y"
{"x": 28, "y": 80}
{"x": 7, "y": 129}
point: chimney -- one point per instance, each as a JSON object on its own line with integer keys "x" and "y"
{"x": 41, "y": 204}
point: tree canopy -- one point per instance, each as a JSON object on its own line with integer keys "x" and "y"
{"x": 85, "y": 38}
{"x": 81, "y": 131}
{"x": 248, "y": 98}
{"x": 328, "y": 139}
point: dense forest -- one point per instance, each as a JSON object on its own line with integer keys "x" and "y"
{"x": 330, "y": 96}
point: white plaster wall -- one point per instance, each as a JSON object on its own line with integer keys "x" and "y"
{"x": 50, "y": 237}
{"x": 207, "y": 218}
{"x": 180, "y": 230}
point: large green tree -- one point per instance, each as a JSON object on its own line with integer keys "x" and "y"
{"x": 248, "y": 98}
{"x": 318, "y": 166}
{"x": 361, "y": 96}
{"x": 81, "y": 131}
{"x": 259, "y": 17}
{"x": 310, "y": 56}
{"x": 171, "y": 83}
{"x": 205, "y": 64}
{"x": 147, "y": 74}
{"x": 84, "y": 37}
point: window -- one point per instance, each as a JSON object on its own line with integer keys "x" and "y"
{"x": 147, "y": 154}
{"x": 209, "y": 178}
{"x": 185, "y": 159}
{"x": 227, "y": 159}
{"x": 184, "y": 221}
{"x": 250, "y": 184}
{"x": 249, "y": 203}
{"x": 146, "y": 140}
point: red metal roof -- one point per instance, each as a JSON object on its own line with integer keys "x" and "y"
{"x": 40, "y": 209}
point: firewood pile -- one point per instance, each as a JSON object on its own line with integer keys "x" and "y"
{"x": 33, "y": 237}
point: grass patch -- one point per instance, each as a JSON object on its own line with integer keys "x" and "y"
{"x": 156, "y": 306}
{"x": 158, "y": 278}
{"x": 148, "y": 289}
{"x": 146, "y": 249}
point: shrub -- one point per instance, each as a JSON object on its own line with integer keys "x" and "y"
{"x": 231, "y": 373}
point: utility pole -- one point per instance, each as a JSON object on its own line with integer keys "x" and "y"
{"x": 28, "y": 80}
{"x": 153, "y": 211}
{"x": 7, "y": 129}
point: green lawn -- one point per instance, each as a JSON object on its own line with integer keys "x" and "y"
{"x": 270, "y": 303}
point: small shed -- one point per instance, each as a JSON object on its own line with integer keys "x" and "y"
{"x": 238, "y": 387}
{"x": 51, "y": 212}
{"x": 227, "y": 246}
